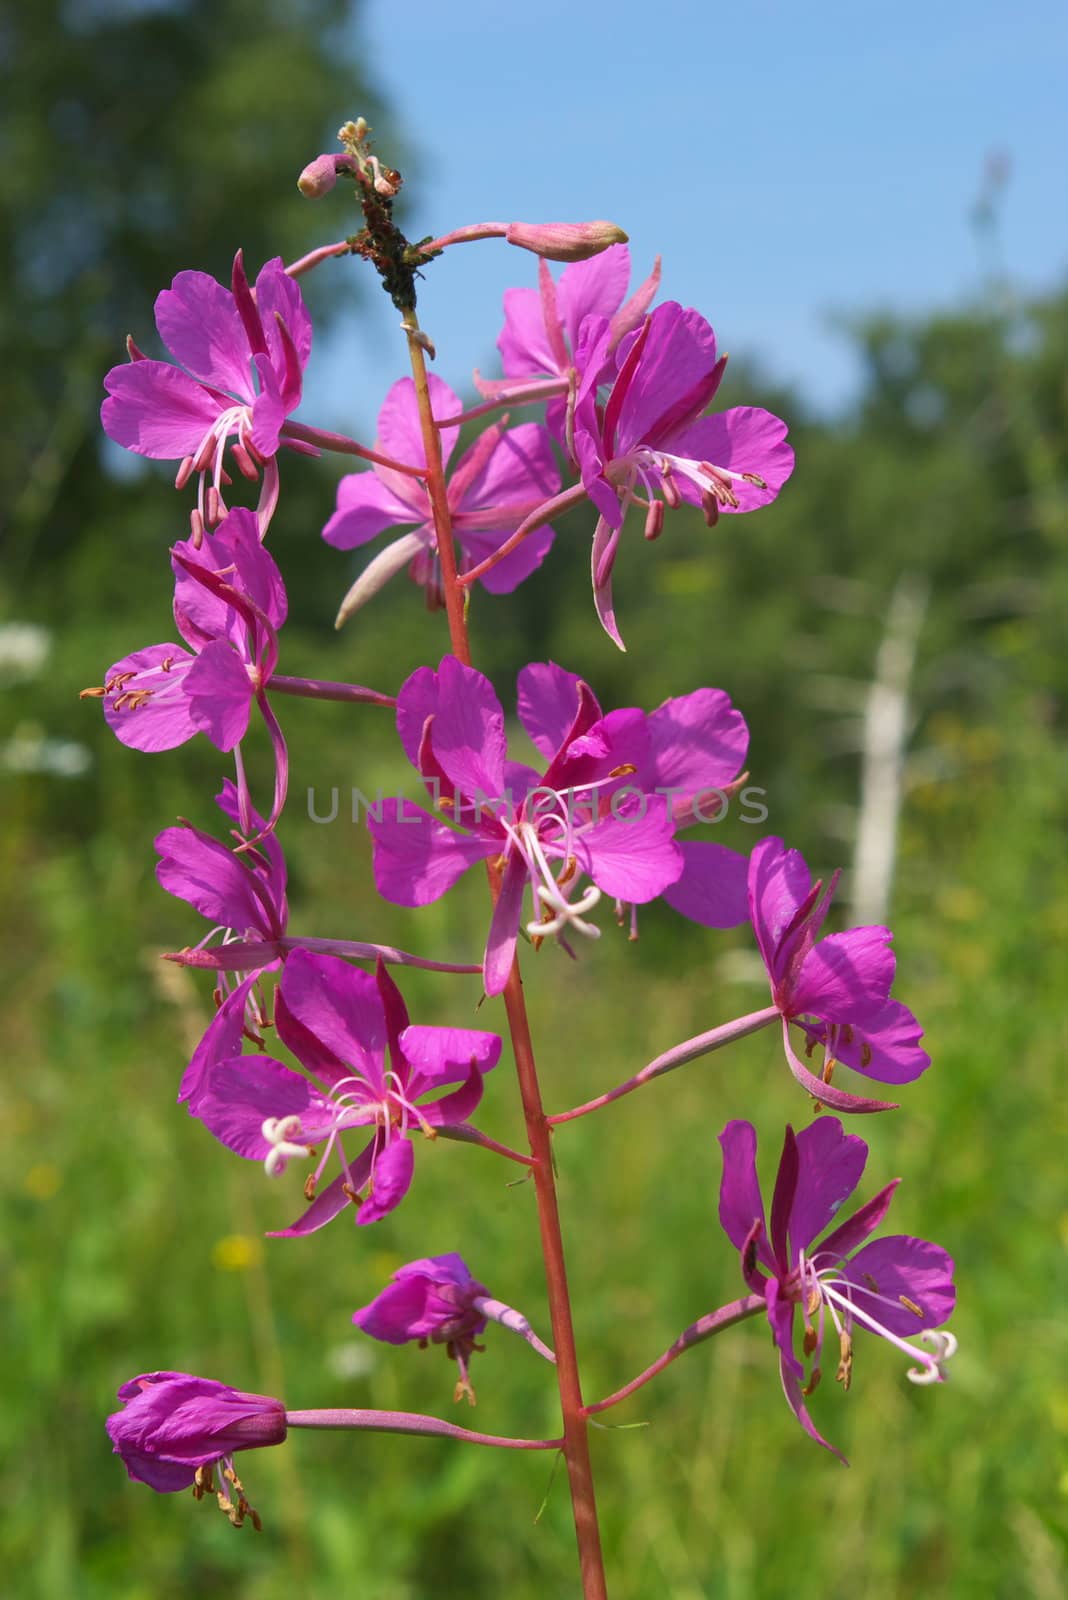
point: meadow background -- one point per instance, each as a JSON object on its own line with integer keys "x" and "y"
{"x": 134, "y": 146}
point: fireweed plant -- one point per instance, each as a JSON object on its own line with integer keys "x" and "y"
{"x": 614, "y": 395}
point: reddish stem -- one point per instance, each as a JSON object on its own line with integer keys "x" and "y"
{"x": 534, "y": 391}
{"x": 689, "y": 1050}
{"x": 325, "y": 252}
{"x": 341, "y": 444}
{"x": 468, "y": 235}
{"x": 539, "y": 1136}
{"x": 323, "y": 689}
{"x": 537, "y": 519}
{"x": 703, "y": 1328}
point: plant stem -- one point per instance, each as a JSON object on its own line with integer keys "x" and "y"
{"x": 537, "y": 519}
{"x": 409, "y": 1422}
{"x": 325, "y": 252}
{"x": 689, "y": 1050}
{"x": 455, "y": 604}
{"x": 341, "y": 444}
{"x": 703, "y": 1328}
{"x": 321, "y": 689}
{"x": 576, "y": 1431}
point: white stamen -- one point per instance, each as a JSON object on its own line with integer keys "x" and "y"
{"x": 280, "y": 1133}
{"x": 569, "y": 913}
{"x": 944, "y": 1344}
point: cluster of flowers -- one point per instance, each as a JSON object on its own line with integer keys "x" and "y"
{"x": 625, "y": 390}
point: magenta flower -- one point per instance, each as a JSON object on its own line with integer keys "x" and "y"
{"x": 244, "y": 353}
{"x": 837, "y": 989}
{"x": 229, "y": 602}
{"x": 650, "y": 434}
{"x": 541, "y": 326}
{"x": 895, "y": 1287}
{"x": 371, "y": 1069}
{"x": 243, "y": 895}
{"x": 503, "y": 477}
{"x": 174, "y": 1428}
{"x": 437, "y": 1301}
{"x": 607, "y": 805}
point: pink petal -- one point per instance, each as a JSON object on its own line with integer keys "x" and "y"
{"x": 589, "y": 453}
{"x": 594, "y": 287}
{"x": 269, "y": 409}
{"x": 333, "y": 1199}
{"x": 199, "y": 870}
{"x": 155, "y": 410}
{"x": 549, "y": 700}
{"x": 632, "y": 857}
{"x": 365, "y": 506}
{"x": 856, "y": 1228}
{"x": 399, "y": 432}
{"x": 237, "y": 541}
{"x": 830, "y": 1164}
{"x": 504, "y": 927}
{"x": 279, "y": 295}
{"x": 201, "y": 614}
{"x": 885, "y": 1046}
{"x": 199, "y": 323}
{"x": 523, "y": 342}
{"x": 220, "y": 694}
{"x": 779, "y": 883}
{"x": 699, "y": 741}
{"x": 390, "y": 1181}
{"x": 442, "y": 1056}
{"x": 791, "y": 1385}
{"x": 340, "y": 1006}
{"x": 745, "y": 439}
{"x": 467, "y": 734}
{"x": 419, "y": 697}
{"x": 846, "y": 977}
{"x": 222, "y": 1040}
{"x": 456, "y": 1108}
{"x": 308, "y": 1048}
{"x": 163, "y": 719}
{"x": 901, "y": 1268}
{"x": 680, "y": 351}
{"x": 522, "y": 467}
{"x": 712, "y": 887}
{"x": 243, "y": 1093}
{"x": 417, "y": 858}
{"x": 740, "y": 1202}
{"x": 510, "y": 572}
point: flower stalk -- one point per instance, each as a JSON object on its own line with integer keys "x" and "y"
{"x": 576, "y": 1432}
{"x": 678, "y": 1056}
{"x": 409, "y": 1422}
{"x": 703, "y": 1328}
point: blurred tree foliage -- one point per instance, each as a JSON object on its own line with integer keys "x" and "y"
{"x": 133, "y": 146}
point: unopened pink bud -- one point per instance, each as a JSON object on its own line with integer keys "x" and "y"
{"x": 320, "y": 175}
{"x": 565, "y": 241}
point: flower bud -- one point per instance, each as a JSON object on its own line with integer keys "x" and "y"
{"x": 172, "y": 1425}
{"x": 428, "y": 1299}
{"x": 320, "y": 175}
{"x": 565, "y": 241}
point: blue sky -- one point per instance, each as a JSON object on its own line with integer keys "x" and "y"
{"x": 789, "y": 161}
